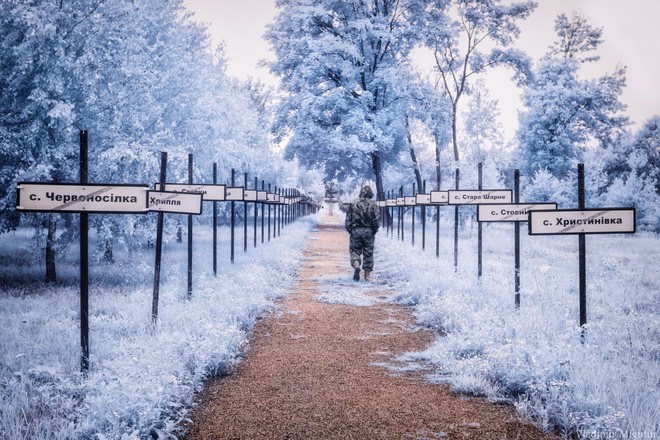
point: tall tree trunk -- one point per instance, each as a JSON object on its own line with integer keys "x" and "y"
{"x": 109, "y": 252}
{"x": 438, "y": 173}
{"x": 413, "y": 156}
{"x": 454, "y": 135}
{"x": 51, "y": 275}
{"x": 378, "y": 172}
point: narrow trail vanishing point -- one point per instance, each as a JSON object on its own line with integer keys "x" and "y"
{"x": 318, "y": 369}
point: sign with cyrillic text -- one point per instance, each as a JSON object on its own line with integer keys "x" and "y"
{"x": 210, "y": 193}
{"x": 423, "y": 199}
{"x": 586, "y": 221}
{"x": 400, "y": 201}
{"x": 439, "y": 197}
{"x": 95, "y": 198}
{"x": 479, "y": 197}
{"x": 391, "y": 202}
{"x": 510, "y": 212}
{"x": 234, "y": 194}
{"x": 273, "y": 198}
{"x": 175, "y": 202}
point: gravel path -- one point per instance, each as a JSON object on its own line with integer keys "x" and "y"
{"x": 323, "y": 368}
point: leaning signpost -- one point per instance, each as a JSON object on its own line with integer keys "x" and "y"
{"x": 171, "y": 202}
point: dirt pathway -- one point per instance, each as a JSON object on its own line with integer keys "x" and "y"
{"x": 315, "y": 370}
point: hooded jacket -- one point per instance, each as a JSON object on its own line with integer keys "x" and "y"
{"x": 363, "y": 213}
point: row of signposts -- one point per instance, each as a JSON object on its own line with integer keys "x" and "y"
{"x": 503, "y": 205}
{"x": 180, "y": 198}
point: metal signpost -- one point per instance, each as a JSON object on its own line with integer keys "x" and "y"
{"x": 474, "y": 197}
{"x": 215, "y": 221}
{"x": 262, "y": 196}
{"x": 177, "y": 203}
{"x": 245, "y": 208}
{"x": 438, "y": 198}
{"x": 83, "y": 198}
{"x": 108, "y": 198}
{"x": 516, "y": 213}
{"x": 581, "y": 222}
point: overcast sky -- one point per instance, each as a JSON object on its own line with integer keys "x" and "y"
{"x": 631, "y": 34}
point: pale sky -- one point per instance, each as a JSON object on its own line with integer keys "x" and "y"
{"x": 631, "y": 37}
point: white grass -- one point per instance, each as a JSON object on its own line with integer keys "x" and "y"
{"x": 603, "y": 386}
{"x": 141, "y": 381}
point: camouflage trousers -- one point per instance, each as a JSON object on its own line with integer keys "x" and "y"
{"x": 362, "y": 245}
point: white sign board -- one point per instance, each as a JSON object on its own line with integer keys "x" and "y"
{"x": 273, "y": 198}
{"x": 262, "y": 196}
{"x": 409, "y": 201}
{"x": 175, "y": 202}
{"x": 478, "y": 197}
{"x": 234, "y": 194}
{"x": 423, "y": 199}
{"x": 439, "y": 197}
{"x": 250, "y": 195}
{"x": 103, "y": 198}
{"x": 510, "y": 212}
{"x": 586, "y": 221}
{"x": 400, "y": 201}
{"x": 391, "y": 202}
{"x": 210, "y": 193}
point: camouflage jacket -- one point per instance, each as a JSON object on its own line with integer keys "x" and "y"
{"x": 363, "y": 213}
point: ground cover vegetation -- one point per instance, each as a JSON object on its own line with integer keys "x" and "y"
{"x": 143, "y": 77}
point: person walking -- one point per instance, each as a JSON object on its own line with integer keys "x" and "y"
{"x": 362, "y": 222}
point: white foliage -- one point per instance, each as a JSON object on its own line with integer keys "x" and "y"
{"x": 536, "y": 357}
{"x": 141, "y": 381}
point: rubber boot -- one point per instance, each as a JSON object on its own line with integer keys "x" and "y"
{"x": 356, "y": 266}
